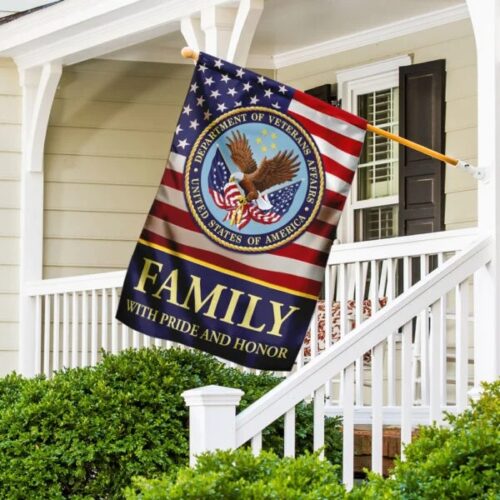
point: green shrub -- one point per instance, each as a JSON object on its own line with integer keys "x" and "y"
{"x": 462, "y": 461}
{"x": 239, "y": 475}
{"x": 86, "y": 432}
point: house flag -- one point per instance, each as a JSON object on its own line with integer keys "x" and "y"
{"x": 232, "y": 255}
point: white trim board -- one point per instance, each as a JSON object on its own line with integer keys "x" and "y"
{"x": 49, "y": 28}
{"x": 371, "y": 36}
{"x": 311, "y": 52}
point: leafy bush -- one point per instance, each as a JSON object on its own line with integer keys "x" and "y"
{"x": 462, "y": 461}
{"x": 87, "y": 431}
{"x": 239, "y": 475}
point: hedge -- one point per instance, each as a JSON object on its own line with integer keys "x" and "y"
{"x": 86, "y": 432}
{"x": 239, "y": 475}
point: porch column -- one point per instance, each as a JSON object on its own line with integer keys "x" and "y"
{"x": 485, "y": 17}
{"x": 39, "y": 87}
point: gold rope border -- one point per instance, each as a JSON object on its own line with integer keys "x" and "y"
{"x": 314, "y": 148}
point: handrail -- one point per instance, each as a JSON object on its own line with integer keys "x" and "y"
{"x": 402, "y": 246}
{"x": 82, "y": 283}
{"x": 444, "y": 241}
{"x": 369, "y": 334}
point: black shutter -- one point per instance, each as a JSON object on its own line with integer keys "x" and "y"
{"x": 326, "y": 92}
{"x": 421, "y": 118}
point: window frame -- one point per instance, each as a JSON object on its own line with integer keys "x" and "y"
{"x": 353, "y": 82}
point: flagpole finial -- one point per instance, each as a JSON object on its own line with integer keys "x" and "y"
{"x": 189, "y": 53}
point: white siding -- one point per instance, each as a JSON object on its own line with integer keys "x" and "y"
{"x": 10, "y": 161}
{"x": 109, "y": 136}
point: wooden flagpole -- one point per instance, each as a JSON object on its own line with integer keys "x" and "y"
{"x": 189, "y": 53}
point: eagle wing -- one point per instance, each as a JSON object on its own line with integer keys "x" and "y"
{"x": 241, "y": 154}
{"x": 280, "y": 168}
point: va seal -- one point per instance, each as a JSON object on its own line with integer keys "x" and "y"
{"x": 254, "y": 180}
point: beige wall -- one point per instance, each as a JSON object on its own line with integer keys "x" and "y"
{"x": 453, "y": 42}
{"x": 10, "y": 161}
{"x": 109, "y": 135}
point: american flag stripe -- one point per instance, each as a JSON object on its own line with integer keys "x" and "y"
{"x": 336, "y": 185}
{"x": 325, "y": 148}
{"x": 335, "y": 168}
{"x": 323, "y": 229}
{"x": 163, "y": 233}
{"x": 292, "y": 264}
{"x": 313, "y": 241}
{"x": 329, "y": 214}
{"x": 346, "y": 144}
{"x": 329, "y": 116}
{"x": 176, "y": 162}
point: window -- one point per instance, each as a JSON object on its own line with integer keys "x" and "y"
{"x": 372, "y": 92}
{"x": 376, "y": 191}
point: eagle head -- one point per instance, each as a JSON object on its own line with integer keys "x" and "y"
{"x": 237, "y": 176}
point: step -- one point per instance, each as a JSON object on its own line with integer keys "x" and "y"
{"x": 391, "y": 448}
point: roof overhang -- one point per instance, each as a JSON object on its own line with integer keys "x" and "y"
{"x": 76, "y": 30}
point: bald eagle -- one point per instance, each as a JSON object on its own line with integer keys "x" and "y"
{"x": 253, "y": 180}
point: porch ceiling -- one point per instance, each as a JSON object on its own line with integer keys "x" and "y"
{"x": 288, "y": 32}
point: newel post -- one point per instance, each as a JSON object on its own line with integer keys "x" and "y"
{"x": 212, "y": 419}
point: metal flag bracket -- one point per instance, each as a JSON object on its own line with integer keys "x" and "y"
{"x": 479, "y": 173}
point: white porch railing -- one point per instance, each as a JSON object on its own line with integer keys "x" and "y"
{"x": 425, "y": 300}
{"x": 75, "y": 316}
{"x": 75, "y": 321}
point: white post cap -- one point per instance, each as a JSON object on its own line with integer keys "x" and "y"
{"x": 212, "y": 395}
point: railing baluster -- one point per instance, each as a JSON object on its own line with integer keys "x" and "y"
{"x": 289, "y": 434}
{"x": 94, "y": 347}
{"x": 125, "y": 336}
{"x": 434, "y": 372}
{"x": 66, "y": 348}
{"x": 461, "y": 342}
{"x": 57, "y": 319}
{"x": 136, "y": 340}
{"x": 343, "y": 320}
{"x": 256, "y": 443}
{"x": 314, "y": 333}
{"x": 299, "y": 362}
{"x": 391, "y": 344}
{"x": 348, "y": 428}
{"x": 406, "y": 399}
{"x": 104, "y": 319}
{"x": 319, "y": 419}
{"x": 46, "y": 336}
{"x": 74, "y": 329}
{"x": 343, "y": 299}
{"x": 377, "y": 380}
{"x": 424, "y": 340}
{"x": 38, "y": 335}
{"x": 85, "y": 329}
{"x": 114, "y": 321}
{"x": 358, "y": 298}
{"x": 146, "y": 339}
{"x": 330, "y": 277}
{"x": 443, "y": 345}
{"x": 157, "y": 342}
{"x": 377, "y": 404}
